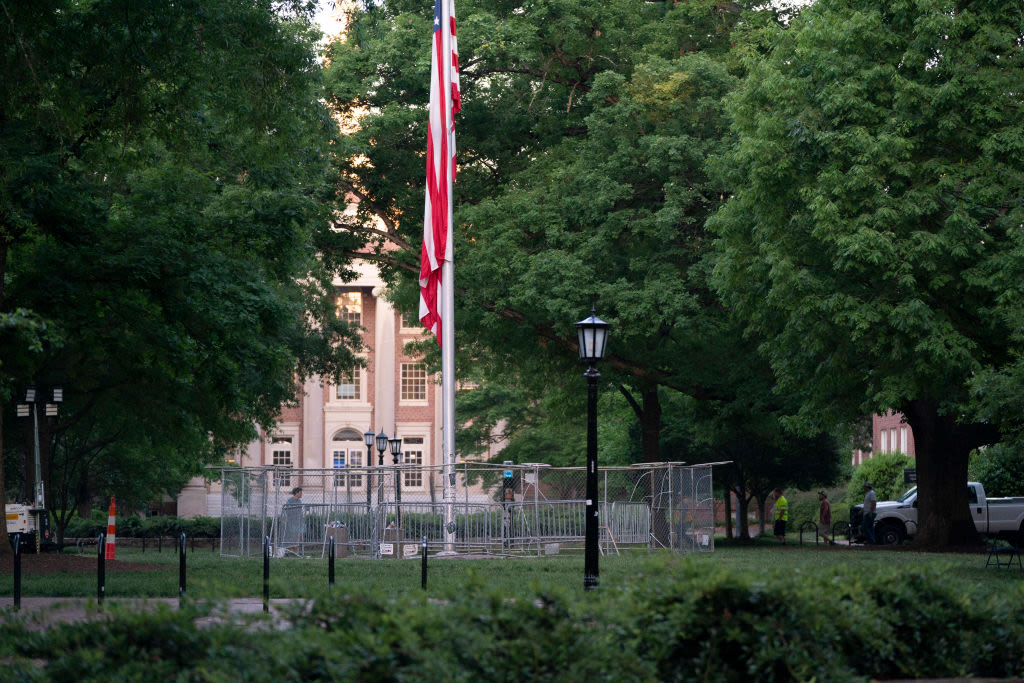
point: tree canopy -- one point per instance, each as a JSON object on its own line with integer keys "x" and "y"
{"x": 875, "y": 212}
{"x": 163, "y": 179}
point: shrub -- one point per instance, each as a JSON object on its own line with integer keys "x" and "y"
{"x": 130, "y": 526}
{"x": 676, "y": 621}
{"x": 885, "y": 472}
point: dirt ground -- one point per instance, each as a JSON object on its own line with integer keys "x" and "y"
{"x": 53, "y": 563}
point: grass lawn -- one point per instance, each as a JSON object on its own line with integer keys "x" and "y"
{"x": 212, "y": 576}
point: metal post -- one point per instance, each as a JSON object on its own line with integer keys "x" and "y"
{"x": 266, "y": 573}
{"x": 423, "y": 565}
{"x": 398, "y": 499}
{"x": 590, "y": 569}
{"x": 369, "y": 463}
{"x": 101, "y": 569}
{"x": 17, "y": 571}
{"x": 40, "y": 498}
{"x": 330, "y": 562}
{"x": 181, "y": 568}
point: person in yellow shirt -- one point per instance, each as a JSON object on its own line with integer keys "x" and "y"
{"x": 781, "y": 516}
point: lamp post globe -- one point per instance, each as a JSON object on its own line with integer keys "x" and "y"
{"x": 382, "y": 445}
{"x": 592, "y": 334}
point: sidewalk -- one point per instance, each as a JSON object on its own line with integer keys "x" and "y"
{"x": 41, "y": 613}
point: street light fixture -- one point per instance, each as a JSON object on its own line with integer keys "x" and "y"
{"x": 592, "y": 333}
{"x": 368, "y": 437}
{"x": 382, "y": 445}
{"x": 396, "y": 448}
{"x": 50, "y": 410}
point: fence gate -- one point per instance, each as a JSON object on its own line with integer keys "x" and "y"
{"x": 498, "y": 509}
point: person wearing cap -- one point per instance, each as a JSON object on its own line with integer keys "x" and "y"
{"x": 825, "y": 518}
{"x": 867, "y": 520}
{"x": 781, "y": 516}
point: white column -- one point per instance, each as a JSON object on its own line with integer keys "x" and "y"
{"x": 385, "y": 351}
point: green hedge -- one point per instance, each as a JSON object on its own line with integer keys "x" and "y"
{"x": 130, "y": 526}
{"x": 676, "y": 622}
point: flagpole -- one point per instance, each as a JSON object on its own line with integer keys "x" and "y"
{"x": 447, "y": 303}
{"x": 448, "y": 403}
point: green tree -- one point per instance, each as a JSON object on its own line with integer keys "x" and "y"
{"x": 999, "y": 468}
{"x": 164, "y": 182}
{"x": 593, "y": 191}
{"x": 885, "y": 471}
{"x": 877, "y": 183}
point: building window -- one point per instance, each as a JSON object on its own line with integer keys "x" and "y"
{"x": 410, "y": 322}
{"x": 904, "y": 447}
{"x": 892, "y": 439}
{"x": 339, "y": 466}
{"x": 885, "y": 441}
{"x": 355, "y": 459}
{"x": 350, "y": 307}
{"x": 281, "y": 456}
{"x": 414, "y": 382}
{"x": 349, "y": 388}
{"x": 347, "y": 456}
{"x": 413, "y": 478}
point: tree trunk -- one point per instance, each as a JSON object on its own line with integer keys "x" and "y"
{"x": 761, "y": 505}
{"x": 728, "y": 513}
{"x": 943, "y": 449}
{"x": 743, "y": 510}
{"x": 650, "y": 426}
{"x": 648, "y": 414}
{"x": 6, "y": 551}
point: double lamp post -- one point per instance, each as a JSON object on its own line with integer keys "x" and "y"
{"x": 383, "y": 444}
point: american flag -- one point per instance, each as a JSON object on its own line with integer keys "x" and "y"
{"x": 445, "y": 102}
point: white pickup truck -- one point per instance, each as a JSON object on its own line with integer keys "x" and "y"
{"x": 896, "y": 520}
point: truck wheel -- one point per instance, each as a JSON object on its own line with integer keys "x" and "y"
{"x": 889, "y": 534}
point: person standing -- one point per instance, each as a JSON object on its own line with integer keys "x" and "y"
{"x": 781, "y": 516}
{"x": 293, "y": 519}
{"x": 825, "y": 518}
{"x": 867, "y": 520}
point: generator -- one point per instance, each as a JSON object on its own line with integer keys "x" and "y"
{"x": 32, "y": 523}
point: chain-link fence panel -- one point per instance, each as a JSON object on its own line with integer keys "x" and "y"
{"x": 495, "y": 509}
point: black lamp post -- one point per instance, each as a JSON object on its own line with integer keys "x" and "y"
{"x": 368, "y": 437}
{"x": 593, "y": 336}
{"x": 396, "y": 448}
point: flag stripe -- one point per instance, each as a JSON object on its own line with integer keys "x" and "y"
{"x": 445, "y": 102}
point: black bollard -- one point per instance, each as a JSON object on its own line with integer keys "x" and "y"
{"x": 17, "y": 571}
{"x": 181, "y": 569}
{"x": 101, "y": 568}
{"x": 330, "y": 562}
{"x": 266, "y": 573}
{"x": 423, "y": 565}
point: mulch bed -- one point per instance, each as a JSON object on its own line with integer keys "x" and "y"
{"x": 54, "y": 563}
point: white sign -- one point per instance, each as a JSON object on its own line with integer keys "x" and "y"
{"x": 410, "y": 550}
{"x": 387, "y": 548}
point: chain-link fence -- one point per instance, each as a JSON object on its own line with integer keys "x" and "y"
{"x": 496, "y": 509}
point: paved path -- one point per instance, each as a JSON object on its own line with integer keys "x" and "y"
{"x": 39, "y": 613}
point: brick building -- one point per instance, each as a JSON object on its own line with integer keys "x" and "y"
{"x": 889, "y": 434}
{"x": 393, "y": 393}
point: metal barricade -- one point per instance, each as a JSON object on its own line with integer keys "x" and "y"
{"x": 496, "y": 509}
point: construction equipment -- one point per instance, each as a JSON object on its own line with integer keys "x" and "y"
{"x": 32, "y": 523}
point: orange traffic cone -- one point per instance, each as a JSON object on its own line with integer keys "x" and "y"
{"x": 109, "y": 551}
